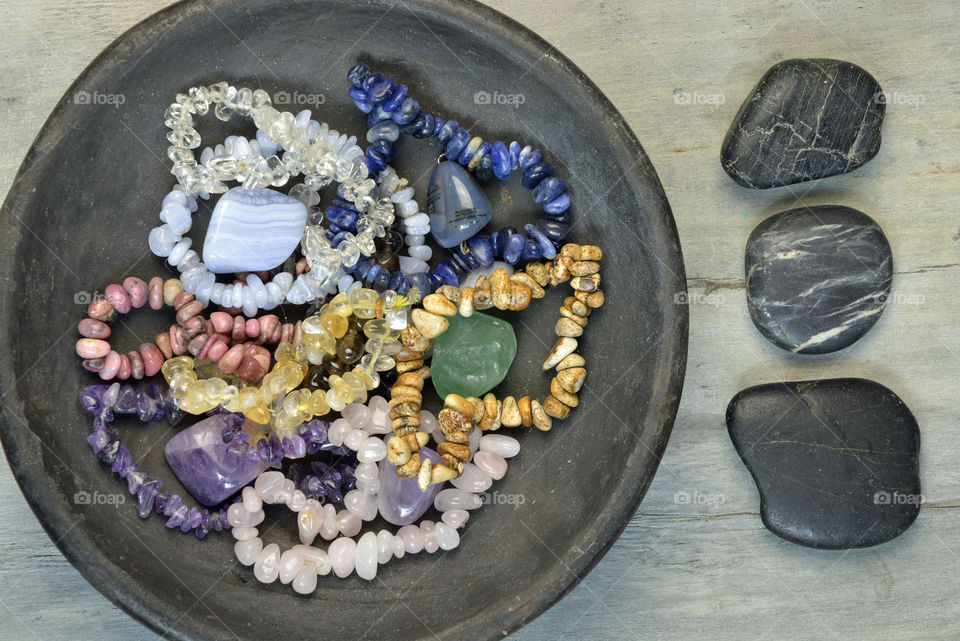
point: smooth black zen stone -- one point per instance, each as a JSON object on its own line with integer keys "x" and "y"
{"x": 805, "y": 119}
{"x": 835, "y": 460}
{"x": 817, "y": 277}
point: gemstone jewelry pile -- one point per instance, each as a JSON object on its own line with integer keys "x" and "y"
{"x": 324, "y": 414}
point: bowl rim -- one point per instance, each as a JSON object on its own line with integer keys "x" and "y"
{"x": 23, "y": 447}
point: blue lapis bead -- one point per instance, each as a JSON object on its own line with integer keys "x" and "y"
{"x": 460, "y": 140}
{"x": 381, "y": 91}
{"x": 513, "y": 248}
{"x": 547, "y": 247}
{"x": 382, "y": 283}
{"x": 445, "y": 272}
{"x": 535, "y": 173}
{"x": 531, "y": 159}
{"x": 396, "y": 98}
{"x": 438, "y": 125}
{"x": 385, "y": 148}
{"x": 554, "y": 230}
{"x": 372, "y": 274}
{"x": 364, "y": 268}
{"x": 336, "y": 213}
{"x": 446, "y": 132}
{"x": 426, "y": 129}
{"x": 548, "y": 189}
{"x": 484, "y": 170}
{"x": 558, "y": 205}
{"x": 384, "y": 130}
{"x": 357, "y": 74}
{"x": 371, "y": 80}
{"x": 482, "y": 249}
{"x": 560, "y": 218}
{"x": 496, "y": 239}
{"x": 335, "y": 229}
{"x": 377, "y": 114}
{"x": 375, "y": 163}
{"x": 395, "y": 279}
{"x": 414, "y": 125}
{"x": 460, "y": 263}
{"x": 349, "y": 219}
{"x": 483, "y": 151}
{"x": 337, "y": 239}
{"x": 406, "y": 112}
{"x": 531, "y": 250}
{"x": 500, "y": 156}
{"x": 359, "y": 97}
{"x": 403, "y": 287}
{"x": 467, "y": 154}
{"x": 514, "y": 155}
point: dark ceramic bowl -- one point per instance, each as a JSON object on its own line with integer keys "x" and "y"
{"x": 77, "y": 218}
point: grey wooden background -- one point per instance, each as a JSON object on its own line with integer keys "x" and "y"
{"x": 703, "y": 567}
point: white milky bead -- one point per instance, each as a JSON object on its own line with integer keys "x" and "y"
{"x": 423, "y": 252}
{"x": 305, "y": 582}
{"x": 385, "y": 546}
{"x": 267, "y": 566}
{"x": 371, "y": 450}
{"x": 415, "y": 222}
{"x": 343, "y": 556}
{"x": 348, "y": 523}
{"x": 205, "y": 288}
{"x": 291, "y": 562}
{"x": 226, "y": 298}
{"x": 428, "y": 530}
{"x": 338, "y": 431}
{"x": 455, "y": 518}
{"x": 315, "y": 557}
{"x": 407, "y": 208}
{"x": 505, "y": 446}
{"x": 366, "y": 561}
{"x": 248, "y": 551}
{"x": 361, "y": 503}
{"x": 240, "y": 146}
{"x": 344, "y": 283}
{"x": 398, "y": 197}
{"x": 274, "y": 293}
{"x": 216, "y": 294}
{"x": 309, "y": 520}
{"x": 244, "y": 533}
{"x": 260, "y": 296}
{"x": 176, "y": 254}
{"x": 238, "y": 516}
{"x": 412, "y": 538}
{"x": 413, "y": 240}
{"x": 296, "y": 500}
{"x": 367, "y": 472}
{"x": 399, "y": 548}
{"x": 177, "y": 216}
{"x": 269, "y": 485}
{"x": 412, "y": 265}
{"x": 355, "y": 438}
{"x": 162, "y": 239}
{"x": 249, "y": 305}
{"x": 423, "y": 229}
{"x": 177, "y": 196}
{"x": 473, "y": 479}
{"x": 357, "y": 413}
{"x": 447, "y": 536}
{"x": 370, "y": 487}
{"x": 453, "y": 499}
{"x": 283, "y": 280}
{"x": 379, "y": 415}
{"x": 286, "y": 491}
{"x": 329, "y": 528}
{"x": 251, "y": 500}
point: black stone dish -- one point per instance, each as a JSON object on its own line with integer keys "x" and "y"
{"x": 77, "y": 218}
{"x": 836, "y": 461}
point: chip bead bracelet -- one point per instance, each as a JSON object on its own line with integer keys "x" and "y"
{"x": 207, "y": 338}
{"x": 104, "y": 402}
{"x": 460, "y": 416}
{"x": 302, "y": 564}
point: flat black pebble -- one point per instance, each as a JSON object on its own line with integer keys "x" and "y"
{"x": 836, "y": 461}
{"x": 806, "y": 119}
{"x": 817, "y": 277}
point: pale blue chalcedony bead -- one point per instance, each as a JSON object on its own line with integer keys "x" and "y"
{"x": 252, "y": 230}
{"x": 458, "y": 208}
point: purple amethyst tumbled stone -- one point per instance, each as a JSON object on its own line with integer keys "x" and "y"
{"x": 204, "y": 463}
{"x": 400, "y": 500}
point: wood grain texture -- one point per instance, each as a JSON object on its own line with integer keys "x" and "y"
{"x": 704, "y": 568}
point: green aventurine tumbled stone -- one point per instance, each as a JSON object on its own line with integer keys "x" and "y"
{"x": 472, "y": 356}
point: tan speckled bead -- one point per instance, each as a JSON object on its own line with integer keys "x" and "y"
{"x": 526, "y": 414}
{"x": 541, "y": 420}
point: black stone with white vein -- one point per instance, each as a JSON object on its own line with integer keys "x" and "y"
{"x": 806, "y": 119}
{"x": 836, "y": 461}
{"x": 817, "y": 277}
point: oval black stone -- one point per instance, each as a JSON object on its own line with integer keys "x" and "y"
{"x": 817, "y": 277}
{"x": 835, "y": 461}
{"x": 806, "y": 119}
